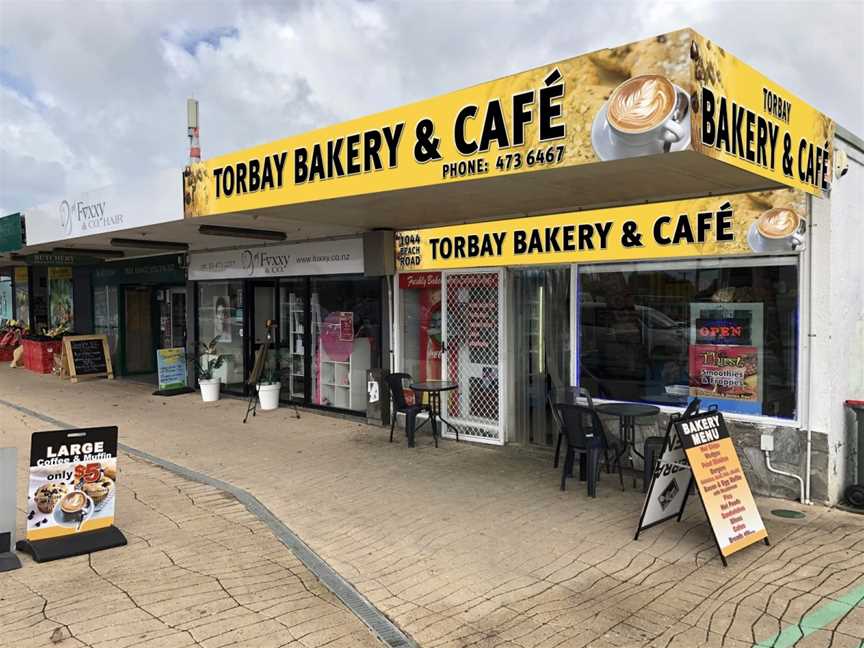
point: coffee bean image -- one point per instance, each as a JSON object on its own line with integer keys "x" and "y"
{"x": 694, "y": 102}
{"x": 694, "y": 51}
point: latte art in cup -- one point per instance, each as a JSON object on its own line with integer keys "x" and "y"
{"x": 73, "y": 502}
{"x": 779, "y": 222}
{"x": 641, "y": 103}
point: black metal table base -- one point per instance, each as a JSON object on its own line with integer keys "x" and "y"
{"x": 434, "y": 410}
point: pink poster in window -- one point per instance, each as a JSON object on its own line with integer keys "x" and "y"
{"x": 724, "y": 371}
{"x": 346, "y": 326}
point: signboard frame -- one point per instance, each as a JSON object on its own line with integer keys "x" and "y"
{"x": 723, "y": 432}
{"x": 167, "y": 359}
{"x": 63, "y": 462}
{"x": 67, "y": 359}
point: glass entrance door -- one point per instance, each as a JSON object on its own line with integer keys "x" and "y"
{"x": 263, "y": 310}
{"x": 473, "y": 334}
{"x": 172, "y": 318}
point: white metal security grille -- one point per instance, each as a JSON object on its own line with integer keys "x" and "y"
{"x": 472, "y": 337}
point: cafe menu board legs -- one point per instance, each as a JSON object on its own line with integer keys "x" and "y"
{"x": 472, "y": 332}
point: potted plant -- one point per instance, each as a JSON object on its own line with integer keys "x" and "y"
{"x": 268, "y": 390}
{"x": 208, "y": 361}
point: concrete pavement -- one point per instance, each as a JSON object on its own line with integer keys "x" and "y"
{"x": 472, "y": 546}
{"x": 199, "y": 570}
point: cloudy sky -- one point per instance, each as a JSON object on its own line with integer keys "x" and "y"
{"x": 94, "y": 93}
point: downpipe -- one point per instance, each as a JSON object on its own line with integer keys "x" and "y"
{"x": 801, "y": 497}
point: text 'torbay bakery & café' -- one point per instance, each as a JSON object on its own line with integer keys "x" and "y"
{"x": 641, "y": 221}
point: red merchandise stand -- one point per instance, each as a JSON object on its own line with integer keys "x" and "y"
{"x": 39, "y": 354}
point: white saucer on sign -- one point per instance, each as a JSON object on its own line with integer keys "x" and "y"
{"x": 608, "y": 146}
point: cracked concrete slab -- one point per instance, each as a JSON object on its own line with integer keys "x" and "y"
{"x": 460, "y": 546}
{"x": 199, "y": 570}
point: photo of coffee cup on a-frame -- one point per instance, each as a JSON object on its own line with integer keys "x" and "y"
{"x": 644, "y": 115}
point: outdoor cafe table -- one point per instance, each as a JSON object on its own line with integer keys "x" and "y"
{"x": 627, "y": 414}
{"x": 434, "y": 389}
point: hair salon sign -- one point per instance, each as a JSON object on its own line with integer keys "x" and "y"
{"x": 148, "y": 201}
{"x": 342, "y": 256}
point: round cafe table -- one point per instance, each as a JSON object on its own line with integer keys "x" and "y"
{"x": 627, "y": 414}
{"x": 434, "y": 389}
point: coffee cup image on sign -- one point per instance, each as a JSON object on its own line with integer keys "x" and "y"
{"x": 644, "y": 115}
{"x": 780, "y": 229}
{"x": 75, "y": 507}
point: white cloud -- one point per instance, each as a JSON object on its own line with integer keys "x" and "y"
{"x": 95, "y": 93}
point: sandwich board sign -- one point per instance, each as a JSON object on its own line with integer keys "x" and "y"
{"x": 721, "y": 483}
{"x": 71, "y": 493}
{"x": 670, "y": 484}
{"x": 698, "y": 449}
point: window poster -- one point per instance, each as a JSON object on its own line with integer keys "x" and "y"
{"x": 726, "y": 356}
{"x": 60, "y": 297}
{"x": 5, "y": 298}
{"x": 222, "y": 319}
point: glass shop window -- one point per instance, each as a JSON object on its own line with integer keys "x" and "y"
{"x": 719, "y": 331}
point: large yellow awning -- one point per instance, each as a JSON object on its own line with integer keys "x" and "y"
{"x": 667, "y": 117}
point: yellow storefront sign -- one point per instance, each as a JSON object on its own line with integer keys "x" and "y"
{"x": 739, "y": 225}
{"x": 746, "y": 120}
{"x": 673, "y": 93}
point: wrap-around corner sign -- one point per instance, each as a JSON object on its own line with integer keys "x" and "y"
{"x": 680, "y": 92}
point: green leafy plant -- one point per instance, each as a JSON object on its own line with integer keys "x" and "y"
{"x": 270, "y": 377}
{"x": 208, "y": 359}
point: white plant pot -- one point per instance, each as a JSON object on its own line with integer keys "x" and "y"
{"x": 268, "y": 395}
{"x": 210, "y": 389}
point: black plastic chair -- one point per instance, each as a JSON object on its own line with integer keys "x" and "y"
{"x": 396, "y": 383}
{"x": 587, "y": 438}
{"x": 581, "y": 393}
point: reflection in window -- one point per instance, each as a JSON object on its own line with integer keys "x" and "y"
{"x": 728, "y": 335}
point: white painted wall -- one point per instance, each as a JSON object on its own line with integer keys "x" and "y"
{"x": 837, "y": 334}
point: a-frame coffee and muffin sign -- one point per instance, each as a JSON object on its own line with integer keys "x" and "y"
{"x": 698, "y": 448}
{"x": 71, "y": 493}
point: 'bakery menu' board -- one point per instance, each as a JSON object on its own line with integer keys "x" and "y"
{"x": 720, "y": 480}
{"x": 73, "y": 477}
{"x": 86, "y": 355}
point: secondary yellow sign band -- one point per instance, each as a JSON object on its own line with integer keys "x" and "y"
{"x": 717, "y": 226}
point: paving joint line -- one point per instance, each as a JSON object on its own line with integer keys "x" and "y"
{"x": 373, "y": 618}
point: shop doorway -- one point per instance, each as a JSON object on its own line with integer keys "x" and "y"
{"x": 263, "y": 296}
{"x": 472, "y": 341}
{"x": 138, "y": 335}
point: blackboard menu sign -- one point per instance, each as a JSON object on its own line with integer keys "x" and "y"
{"x": 86, "y": 355}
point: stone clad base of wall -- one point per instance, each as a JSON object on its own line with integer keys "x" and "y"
{"x": 790, "y": 455}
